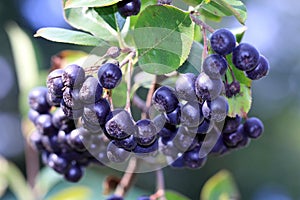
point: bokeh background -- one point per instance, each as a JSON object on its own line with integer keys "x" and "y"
{"x": 266, "y": 170}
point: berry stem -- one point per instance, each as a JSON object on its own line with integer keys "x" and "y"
{"x": 129, "y": 73}
{"x": 149, "y": 98}
{"x": 160, "y": 184}
{"x": 127, "y": 178}
{"x": 128, "y": 58}
{"x": 199, "y": 22}
{"x": 231, "y": 72}
{"x": 205, "y": 46}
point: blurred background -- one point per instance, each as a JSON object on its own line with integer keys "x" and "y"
{"x": 267, "y": 169}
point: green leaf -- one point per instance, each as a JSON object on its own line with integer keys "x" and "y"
{"x": 68, "y": 36}
{"x": 163, "y": 45}
{"x": 193, "y": 2}
{"x": 111, "y": 16}
{"x": 239, "y": 33}
{"x": 209, "y": 15}
{"x": 72, "y": 193}
{"x": 220, "y": 186}
{"x": 119, "y": 95}
{"x": 193, "y": 63}
{"x": 26, "y": 63}
{"x": 143, "y": 79}
{"x": 87, "y": 19}
{"x": 89, "y": 3}
{"x": 15, "y": 180}
{"x": 172, "y": 195}
{"x": 241, "y": 103}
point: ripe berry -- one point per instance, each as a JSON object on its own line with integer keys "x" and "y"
{"x": 146, "y": 133}
{"x": 215, "y": 66}
{"x": 120, "y": 126}
{"x": 74, "y": 173}
{"x": 231, "y": 124}
{"x": 191, "y": 114}
{"x": 44, "y": 125}
{"x": 232, "y": 89}
{"x": 32, "y": 115}
{"x": 207, "y": 88}
{"x": 116, "y": 154}
{"x": 245, "y": 57}
{"x": 193, "y": 160}
{"x": 260, "y": 70}
{"x": 79, "y": 138}
{"x": 73, "y": 76}
{"x": 174, "y": 116}
{"x": 144, "y": 151}
{"x": 253, "y": 127}
{"x": 59, "y": 164}
{"x": 38, "y": 100}
{"x": 129, "y": 7}
{"x": 127, "y": 143}
{"x": 185, "y": 140}
{"x": 97, "y": 113}
{"x": 233, "y": 139}
{"x": 53, "y": 100}
{"x": 91, "y": 91}
{"x": 168, "y": 148}
{"x": 164, "y": 99}
{"x": 185, "y": 87}
{"x": 216, "y": 109}
{"x": 222, "y": 41}
{"x": 70, "y": 112}
{"x": 114, "y": 197}
{"x": 71, "y": 98}
{"x": 54, "y": 82}
{"x": 204, "y": 127}
{"x": 109, "y": 75}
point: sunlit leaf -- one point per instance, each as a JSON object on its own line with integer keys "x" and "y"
{"x": 220, "y": 186}
{"x": 172, "y": 195}
{"x": 68, "y": 36}
{"x": 89, "y": 3}
{"x": 119, "y": 95}
{"x": 193, "y": 2}
{"x": 72, "y": 193}
{"x": 163, "y": 45}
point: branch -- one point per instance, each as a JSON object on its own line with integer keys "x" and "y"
{"x": 149, "y": 98}
{"x": 129, "y": 71}
{"x": 160, "y": 183}
{"x": 199, "y": 22}
{"x": 127, "y": 178}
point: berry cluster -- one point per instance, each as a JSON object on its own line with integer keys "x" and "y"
{"x": 76, "y": 125}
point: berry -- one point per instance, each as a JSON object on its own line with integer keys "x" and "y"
{"x": 36, "y": 141}
{"x": 143, "y": 198}
{"x": 129, "y": 7}
{"x": 71, "y": 98}
{"x": 164, "y": 99}
{"x": 144, "y": 151}
{"x": 44, "y": 125}
{"x": 147, "y": 132}
{"x": 185, "y": 140}
{"x": 120, "y": 126}
{"x": 232, "y": 89}
{"x": 215, "y": 66}
{"x": 59, "y": 164}
{"x": 204, "y": 127}
{"x": 79, "y": 138}
{"x": 215, "y": 110}
{"x": 91, "y": 91}
{"x": 38, "y": 100}
{"x": 185, "y": 87}
{"x": 73, "y": 76}
{"x": 231, "y": 124}
{"x": 174, "y": 116}
{"x": 74, "y": 173}
{"x": 109, "y": 75}
{"x": 193, "y": 160}
{"x": 54, "y": 82}
{"x": 70, "y": 112}
{"x": 32, "y": 115}
{"x": 245, "y": 57}
{"x": 97, "y": 113}
{"x": 222, "y": 41}
{"x": 253, "y": 127}
{"x": 114, "y": 197}
{"x": 127, "y": 143}
{"x": 260, "y": 70}
{"x": 207, "y": 88}
{"x": 54, "y": 100}
{"x": 116, "y": 154}
{"x": 191, "y": 115}
{"x": 168, "y": 148}
{"x": 233, "y": 139}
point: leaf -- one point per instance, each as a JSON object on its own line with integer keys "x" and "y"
{"x": 193, "y": 2}
{"x": 209, "y": 15}
{"x": 172, "y": 195}
{"x": 143, "y": 79}
{"x": 163, "y": 45}
{"x": 241, "y": 103}
{"x": 89, "y": 3}
{"x": 220, "y": 186}
{"x": 68, "y": 36}
{"x": 87, "y": 19}
{"x": 111, "y": 16}
{"x": 239, "y": 33}
{"x": 119, "y": 95}
{"x": 193, "y": 63}
{"x": 15, "y": 180}
{"x": 72, "y": 193}
{"x": 25, "y": 60}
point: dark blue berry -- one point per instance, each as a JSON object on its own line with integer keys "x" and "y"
{"x": 215, "y": 110}
{"x": 71, "y": 98}
{"x": 146, "y": 133}
{"x": 204, "y": 127}
{"x": 214, "y": 66}
{"x": 222, "y": 41}
{"x": 54, "y": 82}
{"x": 164, "y": 99}
{"x": 191, "y": 114}
{"x": 253, "y": 127}
{"x": 174, "y": 116}
{"x": 73, "y": 76}
{"x": 97, "y": 113}
{"x": 185, "y": 87}
{"x": 141, "y": 150}
{"x": 91, "y": 91}
{"x": 70, "y": 112}
{"x": 38, "y": 100}
{"x": 59, "y": 164}
{"x": 245, "y": 57}
{"x": 74, "y": 173}
{"x": 233, "y": 139}
{"x": 129, "y": 7}
{"x": 44, "y": 125}
{"x": 231, "y": 124}
{"x": 32, "y": 115}
{"x": 54, "y": 100}
{"x": 127, "y": 143}
{"x": 261, "y": 70}
{"x": 114, "y": 197}
{"x": 116, "y": 154}
{"x": 193, "y": 160}
{"x": 109, "y": 75}
{"x": 207, "y": 88}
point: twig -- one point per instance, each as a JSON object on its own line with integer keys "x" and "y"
{"x": 205, "y": 47}
{"x": 127, "y": 178}
{"x": 149, "y": 98}
{"x": 140, "y": 103}
{"x": 129, "y": 70}
{"x": 160, "y": 182}
{"x": 129, "y": 57}
{"x": 199, "y": 22}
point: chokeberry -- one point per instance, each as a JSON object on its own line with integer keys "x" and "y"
{"x": 54, "y": 82}
{"x": 260, "y": 70}
{"x": 91, "y": 91}
{"x": 222, "y": 41}
{"x": 214, "y": 66}
{"x": 207, "y": 88}
{"x": 164, "y": 99}
{"x": 216, "y": 109}
{"x": 253, "y": 127}
{"x": 245, "y": 57}
{"x": 146, "y": 133}
{"x": 73, "y": 76}
{"x": 174, "y": 116}
{"x": 129, "y": 7}
{"x": 59, "y": 164}
{"x": 74, "y": 173}
{"x": 38, "y": 100}
{"x": 191, "y": 114}
{"x": 185, "y": 87}
{"x": 97, "y": 113}
{"x": 231, "y": 124}
{"x": 109, "y": 75}
{"x": 116, "y": 154}
{"x": 44, "y": 125}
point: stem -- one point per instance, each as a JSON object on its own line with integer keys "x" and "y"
{"x": 128, "y": 58}
{"x": 205, "y": 47}
{"x": 160, "y": 183}
{"x": 127, "y": 178}
{"x": 199, "y": 22}
{"x": 140, "y": 103}
{"x": 129, "y": 69}
{"x": 149, "y": 98}
{"x": 232, "y": 73}
{"x": 32, "y": 164}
